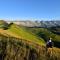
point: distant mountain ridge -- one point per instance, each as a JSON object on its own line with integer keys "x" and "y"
{"x": 37, "y": 23}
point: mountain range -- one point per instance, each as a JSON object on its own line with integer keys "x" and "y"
{"x": 37, "y": 23}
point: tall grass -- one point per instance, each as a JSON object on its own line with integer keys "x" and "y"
{"x": 12, "y": 48}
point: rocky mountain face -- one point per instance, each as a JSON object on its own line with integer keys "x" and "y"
{"x": 37, "y": 23}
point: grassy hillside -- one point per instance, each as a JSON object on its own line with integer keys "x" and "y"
{"x": 12, "y": 48}
{"x": 23, "y": 33}
{"x": 46, "y": 34}
{"x": 55, "y": 30}
{"x": 21, "y": 43}
{"x": 36, "y": 35}
{"x": 3, "y": 24}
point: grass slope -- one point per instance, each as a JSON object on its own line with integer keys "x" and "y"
{"x": 14, "y": 49}
{"x": 46, "y": 34}
{"x": 3, "y": 24}
{"x": 23, "y": 33}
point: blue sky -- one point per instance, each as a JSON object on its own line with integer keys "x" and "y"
{"x": 30, "y": 9}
